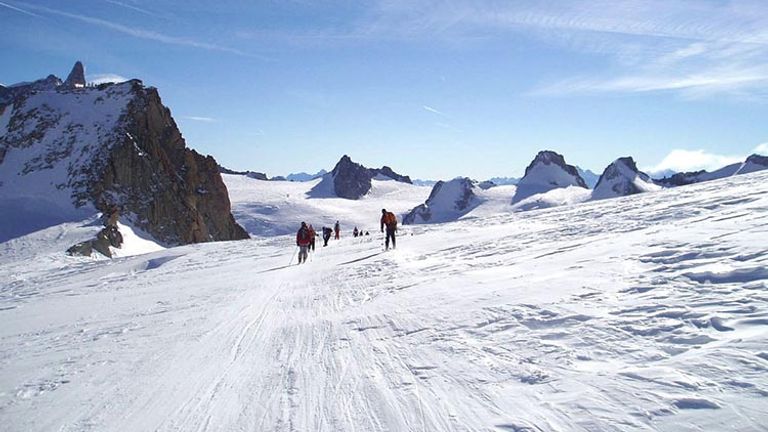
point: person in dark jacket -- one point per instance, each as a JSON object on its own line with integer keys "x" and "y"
{"x": 302, "y": 241}
{"x": 326, "y": 235}
{"x": 389, "y": 221}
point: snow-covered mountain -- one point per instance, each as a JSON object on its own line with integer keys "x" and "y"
{"x": 646, "y": 313}
{"x": 68, "y": 150}
{"x": 302, "y": 176}
{"x": 622, "y": 178}
{"x": 448, "y": 201}
{"x": 547, "y": 171}
{"x": 352, "y": 181}
{"x": 753, "y": 163}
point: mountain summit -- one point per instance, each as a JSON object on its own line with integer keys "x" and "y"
{"x": 622, "y": 178}
{"x": 111, "y": 147}
{"x": 547, "y": 171}
{"x": 352, "y": 180}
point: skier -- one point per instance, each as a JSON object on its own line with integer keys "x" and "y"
{"x": 337, "y": 229}
{"x": 326, "y": 235}
{"x": 389, "y": 220}
{"x": 312, "y": 235}
{"x": 302, "y": 241}
{"x": 354, "y": 232}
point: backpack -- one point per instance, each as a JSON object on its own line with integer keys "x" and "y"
{"x": 390, "y": 220}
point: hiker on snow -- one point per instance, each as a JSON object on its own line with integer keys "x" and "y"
{"x": 302, "y": 241}
{"x": 389, "y": 221}
{"x": 326, "y": 235}
{"x": 312, "y": 235}
{"x": 354, "y": 232}
{"x": 337, "y": 229}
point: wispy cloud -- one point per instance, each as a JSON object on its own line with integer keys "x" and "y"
{"x": 762, "y": 149}
{"x": 11, "y": 7}
{"x": 131, "y": 7}
{"x": 434, "y": 111}
{"x": 141, "y": 33}
{"x": 106, "y": 78}
{"x": 200, "y": 119}
{"x": 696, "y": 48}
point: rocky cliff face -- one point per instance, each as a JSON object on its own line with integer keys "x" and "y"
{"x": 114, "y": 146}
{"x": 547, "y": 171}
{"x": 351, "y": 180}
{"x": 622, "y": 178}
{"x": 447, "y": 201}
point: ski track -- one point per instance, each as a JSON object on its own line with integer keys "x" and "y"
{"x": 641, "y": 313}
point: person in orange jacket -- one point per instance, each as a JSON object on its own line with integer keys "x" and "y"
{"x": 389, "y": 221}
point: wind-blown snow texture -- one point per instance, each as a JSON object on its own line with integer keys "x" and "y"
{"x": 646, "y": 312}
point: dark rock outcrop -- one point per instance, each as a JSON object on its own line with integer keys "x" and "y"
{"x": 177, "y": 195}
{"x": 109, "y": 236}
{"x": 76, "y": 78}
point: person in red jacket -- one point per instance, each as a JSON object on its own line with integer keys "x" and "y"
{"x": 312, "y": 235}
{"x": 337, "y": 229}
{"x": 302, "y": 241}
{"x": 389, "y": 221}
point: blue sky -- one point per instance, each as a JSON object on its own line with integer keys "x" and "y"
{"x": 435, "y": 89}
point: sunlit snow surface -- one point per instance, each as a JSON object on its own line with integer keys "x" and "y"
{"x": 648, "y": 312}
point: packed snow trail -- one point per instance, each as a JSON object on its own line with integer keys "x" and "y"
{"x": 643, "y": 313}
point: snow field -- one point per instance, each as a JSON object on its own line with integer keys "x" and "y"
{"x": 646, "y": 312}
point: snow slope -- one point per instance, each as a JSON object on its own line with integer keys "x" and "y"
{"x": 646, "y": 312}
{"x": 269, "y": 208}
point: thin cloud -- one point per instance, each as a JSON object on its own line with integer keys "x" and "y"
{"x": 762, "y": 149}
{"x": 200, "y": 119}
{"x": 131, "y": 7}
{"x": 435, "y": 111}
{"x": 142, "y": 33}
{"x": 699, "y": 50}
{"x": 6, "y": 5}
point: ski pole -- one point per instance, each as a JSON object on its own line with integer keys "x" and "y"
{"x": 293, "y": 255}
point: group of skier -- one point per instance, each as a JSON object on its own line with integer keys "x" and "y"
{"x": 305, "y": 237}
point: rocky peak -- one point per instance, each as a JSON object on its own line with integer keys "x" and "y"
{"x": 447, "y": 201}
{"x": 548, "y": 157}
{"x": 547, "y": 171}
{"x": 622, "y": 178}
{"x": 352, "y": 180}
{"x": 76, "y": 78}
